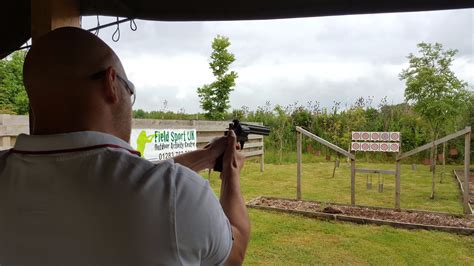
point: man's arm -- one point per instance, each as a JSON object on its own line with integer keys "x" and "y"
{"x": 232, "y": 201}
{"x": 204, "y": 158}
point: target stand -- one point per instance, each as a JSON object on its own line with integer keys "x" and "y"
{"x": 375, "y": 142}
{"x": 384, "y": 142}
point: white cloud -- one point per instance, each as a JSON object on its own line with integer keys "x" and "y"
{"x": 326, "y": 59}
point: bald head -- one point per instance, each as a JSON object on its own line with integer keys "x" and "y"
{"x": 63, "y": 95}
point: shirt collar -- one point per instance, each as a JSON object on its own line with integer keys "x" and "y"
{"x": 67, "y": 141}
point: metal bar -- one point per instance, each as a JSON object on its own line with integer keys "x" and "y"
{"x": 91, "y": 29}
{"x": 298, "y": 170}
{"x": 467, "y": 174}
{"x": 110, "y": 24}
{"x": 353, "y": 174}
{"x": 325, "y": 143}
{"x": 375, "y": 171}
{"x": 436, "y": 142}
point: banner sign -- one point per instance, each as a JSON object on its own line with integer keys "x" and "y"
{"x": 376, "y": 141}
{"x": 162, "y": 144}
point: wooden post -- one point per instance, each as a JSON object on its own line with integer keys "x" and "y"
{"x": 444, "y": 162}
{"x": 47, "y": 15}
{"x": 353, "y": 173}
{"x": 397, "y": 186}
{"x": 334, "y": 170}
{"x": 262, "y": 159}
{"x": 433, "y": 169}
{"x": 298, "y": 170}
{"x": 349, "y": 150}
{"x": 467, "y": 161}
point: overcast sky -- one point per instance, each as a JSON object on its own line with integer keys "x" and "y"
{"x": 323, "y": 59}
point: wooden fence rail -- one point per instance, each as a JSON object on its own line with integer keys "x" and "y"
{"x": 466, "y": 132}
{"x": 13, "y": 125}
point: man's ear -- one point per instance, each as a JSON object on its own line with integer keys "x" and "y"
{"x": 112, "y": 93}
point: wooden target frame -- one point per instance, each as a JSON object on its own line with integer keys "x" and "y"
{"x": 383, "y": 141}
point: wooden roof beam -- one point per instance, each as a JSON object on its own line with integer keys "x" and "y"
{"x": 47, "y": 15}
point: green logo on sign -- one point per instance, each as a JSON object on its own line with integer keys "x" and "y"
{"x": 142, "y": 140}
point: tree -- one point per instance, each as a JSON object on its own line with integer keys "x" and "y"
{"x": 434, "y": 90}
{"x": 13, "y": 97}
{"x": 215, "y": 96}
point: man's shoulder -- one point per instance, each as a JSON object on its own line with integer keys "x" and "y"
{"x": 177, "y": 173}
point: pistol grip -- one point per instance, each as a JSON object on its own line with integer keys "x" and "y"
{"x": 218, "y": 166}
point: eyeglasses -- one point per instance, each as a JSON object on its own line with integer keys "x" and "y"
{"x": 128, "y": 84}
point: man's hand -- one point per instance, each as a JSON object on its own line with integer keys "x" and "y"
{"x": 215, "y": 149}
{"x": 233, "y": 159}
{"x": 204, "y": 158}
{"x": 232, "y": 201}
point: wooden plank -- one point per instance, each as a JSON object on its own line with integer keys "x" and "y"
{"x": 397, "y": 186}
{"x": 6, "y": 142}
{"x": 253, "y": 145}
{"x": 299, "y": 166}
{"x": 209, "y": 138}
{"x": 13, "y": 120}
{"x": 251, "y": 153}
{"x": 325, "y": 142}
{"x": 375, "y": 171}
{"x": 247, "y": 145}
{"x": 13, "y": 130}
{"x": 436, "y": 142}
{"x": 220, "y": 130}
{"x": 199, "y": 125}
{"x": 353, "y": 174}
{"x": 467, "y": 174}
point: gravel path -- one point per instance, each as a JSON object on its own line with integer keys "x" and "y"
{"x": 426, "y": 218}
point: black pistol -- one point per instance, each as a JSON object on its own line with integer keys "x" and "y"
{"x": 242, "y": 132}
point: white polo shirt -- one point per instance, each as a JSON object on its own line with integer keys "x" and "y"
{"x": 86, "y": 198}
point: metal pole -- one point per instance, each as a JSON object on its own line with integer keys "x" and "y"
{"x": 353, "y": 173}
{"x": 467, "y": 160}
{"x": 298, "y": 171}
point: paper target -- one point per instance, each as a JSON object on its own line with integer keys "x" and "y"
{"x": 375, "y": 136}
{"x": 365, "y": 136}
{"x": 355, "y": 146}
{"x": 355, "y": 136}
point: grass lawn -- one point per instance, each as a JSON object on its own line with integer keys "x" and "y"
{"x": 279, "y": 239}
{"x": 287, "y": 239}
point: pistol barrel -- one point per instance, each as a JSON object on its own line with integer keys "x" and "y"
{"x": 256, "y": 129}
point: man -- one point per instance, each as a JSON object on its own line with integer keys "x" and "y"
{"x": 75, "y": 192}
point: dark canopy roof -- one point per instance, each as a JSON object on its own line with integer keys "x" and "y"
{"x": 16, "y": 23}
